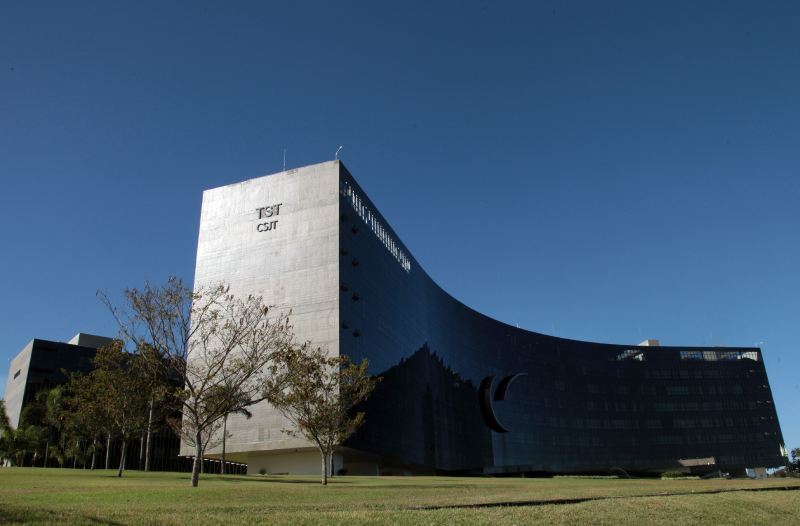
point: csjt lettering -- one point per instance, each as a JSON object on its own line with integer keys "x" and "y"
{"x": 266, "y": 227}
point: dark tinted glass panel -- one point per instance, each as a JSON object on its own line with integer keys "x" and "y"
{"x": 578, "y": 406}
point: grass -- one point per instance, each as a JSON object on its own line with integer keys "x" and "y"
{"x": 64, "y": 496}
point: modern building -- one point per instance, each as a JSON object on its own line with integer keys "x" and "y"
{"x": 461, "y": 392}
{"x": 41, "y": 365}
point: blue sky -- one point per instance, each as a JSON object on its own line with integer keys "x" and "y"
{"x": 607, "y": 171}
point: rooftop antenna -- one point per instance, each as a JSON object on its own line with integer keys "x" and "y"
{"x": 759, "y": 343}
{"x": 284, "y": 159}
{"x": 337, "y": 153}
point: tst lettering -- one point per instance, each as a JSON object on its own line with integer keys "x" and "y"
{"x": 269, "y": 211}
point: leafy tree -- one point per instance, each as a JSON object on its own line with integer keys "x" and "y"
{"x": 36, "y": 411}
{"x": 125, "y": 393}
{"x": 89, "y": 417}
{"x": 56, "y": 412}
{"x": 35, "y": 440}
{"x": 208, "y": 338}
{"x": 5, "y": 421}
{"x": 8, "y": 444}
{"x": 161, "y": 386}
{"x": 113, "y": 398}
{"x": 16, "y": 444}
{"x": 33, "y": 421}
{"x": 321, "y": 393}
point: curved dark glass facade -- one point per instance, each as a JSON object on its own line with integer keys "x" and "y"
{"x": 575, "y": 406}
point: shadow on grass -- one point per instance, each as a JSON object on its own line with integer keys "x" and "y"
{"x": 579, "y": 500}
{"x": 279, "y": 480}
{"x": 135, "y": 475}
{"x": 29, "y": 516}
{"x": 236, "y": 479}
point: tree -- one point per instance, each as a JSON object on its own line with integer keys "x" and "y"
{"x": 56, "y": 416}
{"x": 230, "y": 397}
{"x": 320, "y": 396}
{"x": 240, "y": 411}
{"x": 161, "y": 386}
{"x": 113, "y": 398}
{"x": 89, "y": 417}
{"x": 15, "y": 444}
{"x": 186, "y": 431}
{"x": 35, "y": 414}
{"x": 8, "y": 445}
{"x": 207, "y": 338}
{"x": 35, "y": 441}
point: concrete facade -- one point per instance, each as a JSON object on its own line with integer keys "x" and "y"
{"x": 275, "y": 236}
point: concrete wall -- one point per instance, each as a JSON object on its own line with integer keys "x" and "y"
{"x": 301, "y": 463}
{"x": 362, "y": 469}
{"x": 91, "y": 340}
{"x": 293, "y": 264}
{"x": 15, "y": 388}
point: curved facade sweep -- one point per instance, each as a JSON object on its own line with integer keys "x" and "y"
{"x": 462, "y": 392}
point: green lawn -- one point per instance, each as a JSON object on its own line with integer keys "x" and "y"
{"x": 65, "y": 496}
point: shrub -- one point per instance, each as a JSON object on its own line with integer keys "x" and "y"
{"x": 262, "y": 471}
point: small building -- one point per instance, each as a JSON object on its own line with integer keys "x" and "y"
{"x": 40, "y": 365}
{"x": 44, "y": 364}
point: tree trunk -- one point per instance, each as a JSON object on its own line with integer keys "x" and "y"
{"x": 142, "y": 443}
{"x": 108, "y": 450}
{"x": 149, "y": 438}
{"x": 94, "y": 452}
{"x": 122, "y": 459}
{"x": 224, "y": 432}
{"x": 198, "y": 453}
{"x": 324, "y": 467}
{"x": 46, "y": 452}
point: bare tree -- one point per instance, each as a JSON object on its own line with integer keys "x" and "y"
{"x": 209, "y": 339}
{"x": 321, "y": 393}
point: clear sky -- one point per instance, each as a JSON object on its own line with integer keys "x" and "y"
{"x": 604, "y": 171}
